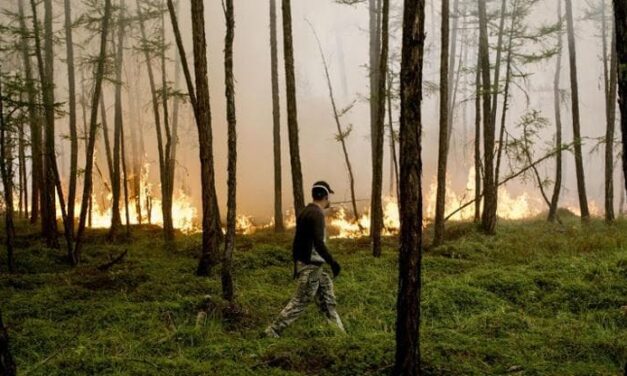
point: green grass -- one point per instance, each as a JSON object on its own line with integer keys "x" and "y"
{"x": 536, "y": 299}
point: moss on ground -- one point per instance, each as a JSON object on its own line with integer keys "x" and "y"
{"x": 536, "y": 299}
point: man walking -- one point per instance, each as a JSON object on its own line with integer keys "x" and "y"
{"x": 310, "y": 253}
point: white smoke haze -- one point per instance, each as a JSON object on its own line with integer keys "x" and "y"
{"x": 344, "y": 36}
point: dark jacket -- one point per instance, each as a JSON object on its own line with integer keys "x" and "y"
{"x": 310, "y": 232}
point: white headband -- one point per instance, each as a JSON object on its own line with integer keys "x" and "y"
{"x": 321, "y": 186}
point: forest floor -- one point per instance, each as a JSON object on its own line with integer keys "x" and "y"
{"x": 536, "y": 299}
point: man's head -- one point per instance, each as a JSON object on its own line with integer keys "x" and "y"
{"x": 320, "y": 193}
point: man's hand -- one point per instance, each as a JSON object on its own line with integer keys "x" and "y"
{"x": 336, "y": 268}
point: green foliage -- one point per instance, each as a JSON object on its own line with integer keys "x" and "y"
{"x": 538, "y": 299}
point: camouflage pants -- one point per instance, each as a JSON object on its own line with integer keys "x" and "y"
{"x": 313, "y": 285}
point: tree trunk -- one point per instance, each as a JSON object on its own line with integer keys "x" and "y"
{"x": 375, "y": 51}
{"x": 276, "y": 119}
{"x": 376, "y": 204}
{"x": 229, "y": 242}
{"x": 609, "y": 135}
{"x": 23, "y": 182}
{"x": 7, "y": 364}
{"x": 46, "y": 72}
{"x": 393, "y": 156}
{"x": 410, "y": 256}
{"x": 620, "y": 23}
{"x": 33, "y": 117}
{"x": 6, "y": 169}
{"x": 93, "y": 126}
{"x": 478, "y": 168}
{"x": 451, "y": 71}
{"x": 581, "y": 181}
{"x": 71, "y": 198}
{"x": 203, "y": 123}
{"x": 440, "y": 200}
{"x": 558, "y": 118}
{"x": 116, "y": 220}
{"x": 508, "y": 80}
{"x": 166, "y": 200}
{"x": 488, "y": 219}
{"x": 341, "y": 133}
{"x": 497, "y": 64}
{"x": 167, "y": 180}
{"x": 210, "y": 218}
{"x": 292, "y": 115}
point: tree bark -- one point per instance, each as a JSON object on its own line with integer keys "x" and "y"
{"x": 69, "y": 46}
{"x": 93, "y": 126}
{"x": 33, "y": 117}
{"x": 557, "y": 187}
{"x": 581, "y": 180}
{"x": 116, "y": 219}
{"x": 46, "y": 71}
{"x": 292, "y": 115}
{"x": 6, "y": 169}
{"x": 440, "y": 200}
{"x": 202, "y": 121}
{"x": 374, "y": 54}
{"x": 210, "y": 220}
{"x": 229, "y": 241}
{"x": 376, "y": 204}
{"x": 620, "y": 23}
{"x": 393, "y": 156}
{"x": 410, "y": 257}
{"x": 488, "y": 219}
{"x": 611, "y": 124}
{"x": 477, "y": 142}
{"x": 276, "y": 122}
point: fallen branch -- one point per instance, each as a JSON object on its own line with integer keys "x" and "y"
{"x": 508, "y": 179}
{"x": 107, "y": 266}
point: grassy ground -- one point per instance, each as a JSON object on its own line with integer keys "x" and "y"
{"x": 536, "y": 299}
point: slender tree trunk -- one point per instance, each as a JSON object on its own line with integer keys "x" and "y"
{"x": 341, "y": 133}
{"x": 478, "y": 169}
{"x": 116, "y": 219}
{"x": 581, "y": 180}
{"x": 508, "y": 80}
{"x": 125, "y": 182}
{"x": 451, "y": 70}
{"x": 276, "y": 122}
{"x": 23, "y": 183}
{"x": 620, "y": 23}
{"x": 7, "y": 364}
{"x": 46, "y": 72}
{"x": 375, "y": 52}
{"x": 164, "y": 163}
{"x": 167, "y": 181}
{"x": 410, "y": 256}
{"x": 558, "y": 118}
{"x": 71, "y": 198}
{"x": 209, "y": 207}
{"x": 229, "y": 243}
{"x": 202, "y": 120}
{"x": 376, "y": 204}
{"x": 488, "y": 219}
{"x": 105, "y": 137}
{"x": 497, "y": 64}
{"x": 6, "y": 168}
{"x": 93, "y": 126}
{"x": 393, "y": 156}
{"x": 440, "y": 200}
{"x": 611, "y": 124}
{"x": 292, "y": 115}
{"x": 33, "y": 117}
